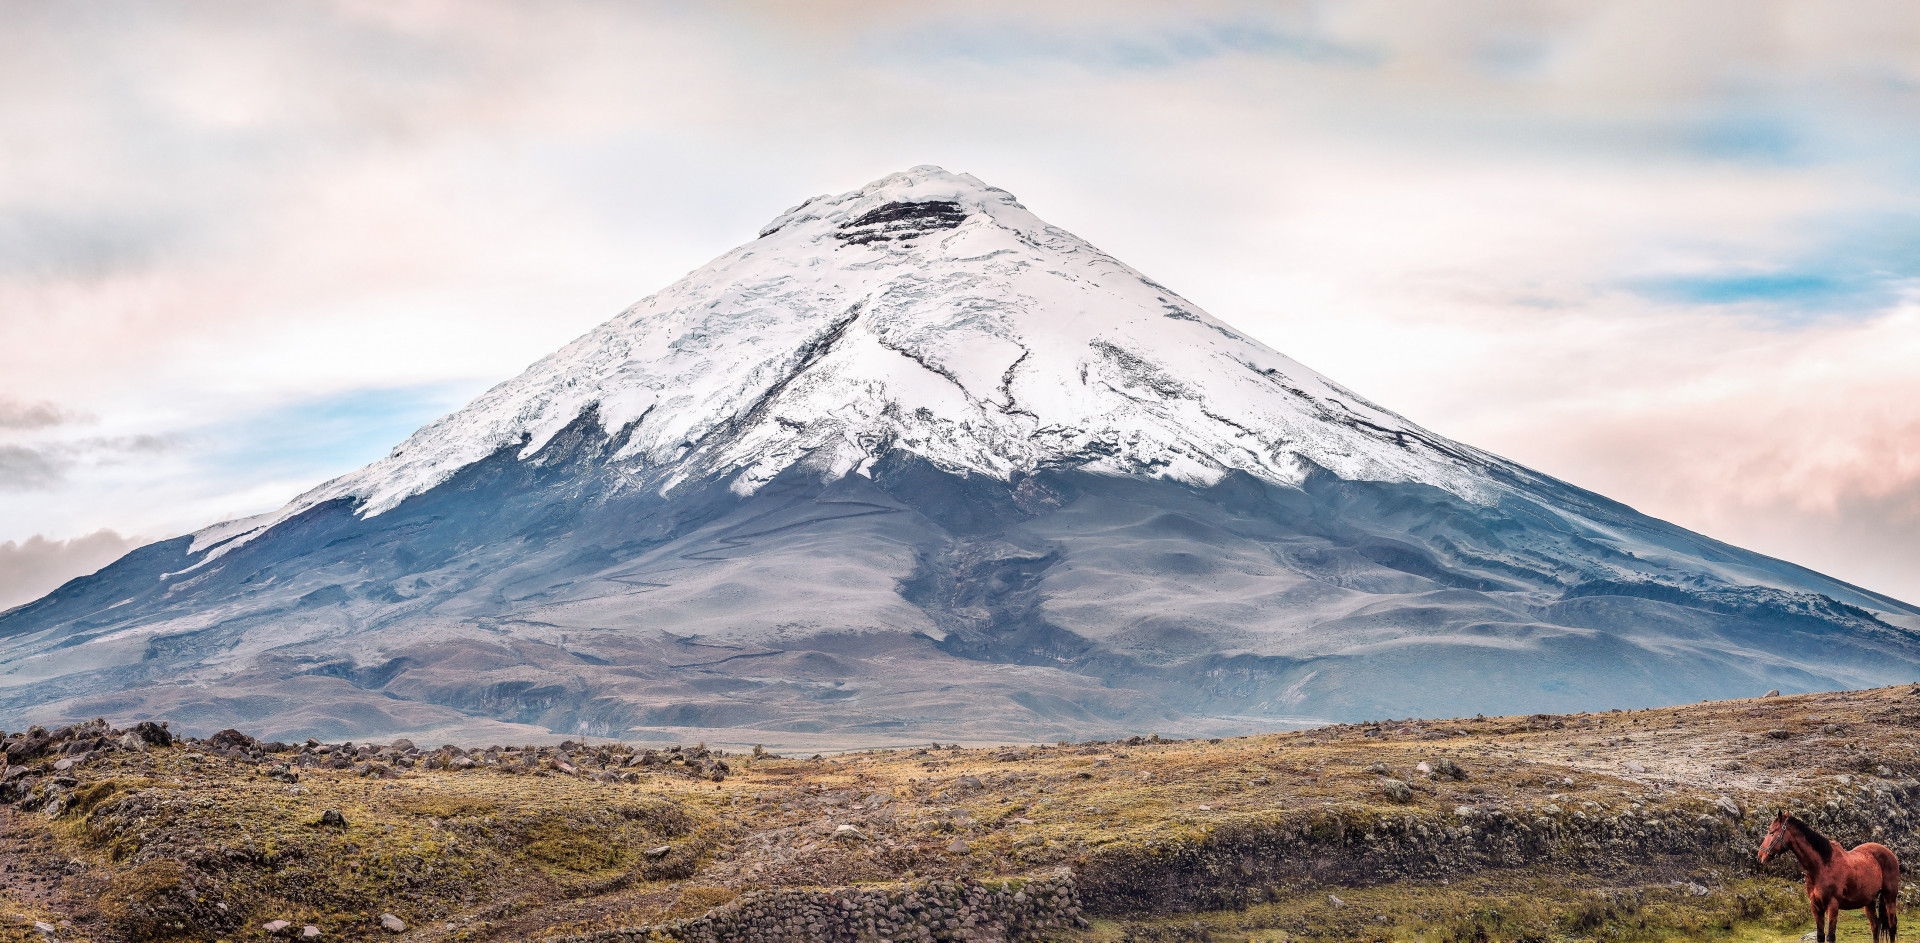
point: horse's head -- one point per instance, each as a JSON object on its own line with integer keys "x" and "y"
{"x": 1776, "y": 835}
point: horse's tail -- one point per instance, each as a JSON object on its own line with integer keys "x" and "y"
{"x": 1888, "y": 898}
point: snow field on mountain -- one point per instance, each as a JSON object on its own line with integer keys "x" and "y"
{"x": 996, "y": 346}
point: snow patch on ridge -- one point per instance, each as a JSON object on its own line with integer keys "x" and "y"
{"x": 927, "y": 312}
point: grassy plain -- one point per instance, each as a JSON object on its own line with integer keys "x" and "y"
{"x": 184, "y": 843}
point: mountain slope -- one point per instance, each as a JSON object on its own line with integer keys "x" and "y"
{"x": 914, "y": 463}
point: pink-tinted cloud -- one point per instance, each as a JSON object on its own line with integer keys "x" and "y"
{"x": 36, "y": 566}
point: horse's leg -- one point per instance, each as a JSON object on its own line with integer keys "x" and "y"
{"x": 1819, "y": 908}
{"x": 1875, "y": 922}
{"x": 1833, "y": 920}
{"x": 1890, "y": 912}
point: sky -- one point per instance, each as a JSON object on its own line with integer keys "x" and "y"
{"x": 1666, "y": 251}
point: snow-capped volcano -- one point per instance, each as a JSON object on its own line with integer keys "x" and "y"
{"x": 930, "y": 313}
{"x": 915, "y": 463}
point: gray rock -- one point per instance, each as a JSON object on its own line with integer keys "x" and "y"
{"x": 959, "y": 846}
{"x": 392, "y": 924}
{"x": 1635, "y": 767}
{"x": 1773, "y": 693}
{"x": 332, "y": 819}
{"x": 1727, "y": 805}
{"x": 275, "y": 926}
{"x": 1396, "y": 790}
{"x": 309, "y": 932}
{"x": 660, "y": 852}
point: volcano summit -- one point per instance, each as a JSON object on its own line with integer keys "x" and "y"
{"x": 914, "y": 464}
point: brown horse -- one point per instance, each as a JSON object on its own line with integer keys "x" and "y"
{"x": 1838, "y": 879}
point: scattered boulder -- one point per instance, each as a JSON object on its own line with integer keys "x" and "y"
{"x": 27, "y": 747}
{"x": 1773, "y": 693}
{"x": 1728, "y": 806}
{"x": 1396, "y": 790}
{"x": 309, "y": 932}
{"x": 392, "y": 924}
{"x": 154, "y": 734}
{"x": 959, "y": 846}
{"x": 1444, "y": 768}
{"x": 275, "y": 926}
{"x": 1778, "y": 734}
{"x": 230, "y": 738}
{"x": 332, "y": 819}
{"x": 660, "y": 852}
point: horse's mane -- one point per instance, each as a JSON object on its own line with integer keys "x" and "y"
{"x": 1821, "y": 846}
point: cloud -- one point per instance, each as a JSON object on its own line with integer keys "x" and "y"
{"x": 1145, "y": 44}
{"x": 44, "y": 467}
{"x": 40, "y": 414}
{"x": 37, "y": 566}
{"x": 27, "y": 469}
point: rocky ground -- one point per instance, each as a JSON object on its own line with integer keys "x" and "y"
{"x": 1620, "y": 825}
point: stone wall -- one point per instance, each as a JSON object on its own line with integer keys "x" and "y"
{"x": 1010, "y": 910}
{"x": 1239, "y": 863}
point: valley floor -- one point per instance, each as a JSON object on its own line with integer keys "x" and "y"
{"x": 1637, "y": 825}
